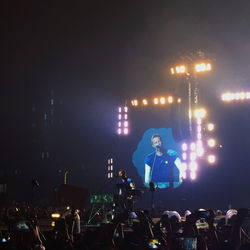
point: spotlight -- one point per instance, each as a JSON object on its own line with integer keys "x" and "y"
{"x": 125, "y": 109}
{"x": 120, "y": 109}
{"x": 55, "y": 215}
{"x": 119, "y": 124}
{"x": 200, "y": 152}
{"x": 202, "y": 67}
{"x": 179, "y": 100}
{"x": 119, "y": 116}
{"x": 193, "y": 156}
{"x": 211, "y": 159}
{"x": 211, "y": 143}
{"x": 172, "y": 71}
{"x": 125, "y": 131}
{"x": 125, "y": 124}
{"x": 210, "y": 127}
{"x": 134, "y": 102}
{"x": 119, "y": 131}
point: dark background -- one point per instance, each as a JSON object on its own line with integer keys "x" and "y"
{"x": 90, "y": 56}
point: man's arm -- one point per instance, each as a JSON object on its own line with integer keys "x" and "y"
{"x": 147, "y": 173}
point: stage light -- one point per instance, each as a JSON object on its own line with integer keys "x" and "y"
{"x": 119, "y": 131}
{"x": 200, "y": 152}
{"x": 248, "y": 95}
{"x": 211, "y": 159}
{"x": 145, "y": 102}
{"x": 162, "y": 100}
{"x": 193, "y": 156}
{"x": 184, "y": 156}
{"x": 125, "y": 117}
{"x": 184, "y": 166}
{"x": 198, "y": 136}
{"x": 193, "y": 175}
{"x": 199, "y": 144}
{"x": 228, "y": 96}
{"x": 119, "y": 116}
{"x": 200, "y": 113}
{"x": 211, "y": 143}
{"x": 120, "y": 109}
{"x": 55, "y": 215}
{"x": 192, "y": 146}
{"x": 210, "y": 127}
{"x": 125, "y": 131}
{"x": 199, "y": 121}
{"x": 170, "y": 99}
{"x": 202, "y": 67}
{"x": 193, "y": 166}
{"x": 199, "y": 128}
{"x": 181, "y": 69}
{"x": 172, "y": 71}
{"x": 184, "y": 146}
{"x": 156, "y": 100}
{"x": 179, "y": 100}
{"x": 125, "y": 124}
{"x": 134, "y": 102}
{"x": 119, "y": 124}
{"x": 125, "y": 109}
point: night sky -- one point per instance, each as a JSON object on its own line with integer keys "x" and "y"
{"x": 96, "y": 54}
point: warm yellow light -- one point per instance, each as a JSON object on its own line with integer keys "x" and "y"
{"x": 55, "y": 215}
{"x": 145, "y": 102}
{"x": 172, "y": 71}
{"x": 210, "y": 127}
{"x": 134, "y": 102}
{"x": 179, "y": 100}
{"x": 156, "y": 100}
{"x": 162, "y": 100}
{"x": 170, "y": 99}
{"x": 53, "y": 223}
{"x": 182, "y": 69}
{"x": 211, "y": 143}
{"x": 211, "y": 159}
{"x": 177, "y": 69}
{"x": 200, "y": 113}
{"x": 203, "y": 67}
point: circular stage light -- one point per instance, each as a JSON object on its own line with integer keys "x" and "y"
{"x": 211, "y": 143}
{"x": 211, "y": 159}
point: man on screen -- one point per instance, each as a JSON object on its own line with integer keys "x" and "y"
{"x": 162, "y": 167}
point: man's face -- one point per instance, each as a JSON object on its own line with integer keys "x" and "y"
{"x": 156, "y": 142}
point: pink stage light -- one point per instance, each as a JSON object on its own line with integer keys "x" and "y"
{"x": 193, "y": 175}
{"x": 184, "y": 156}
{"x": 193, "y": 156}
{"x": 119, "y": 131}
{"x": 119, "y": 116}
{"x": 119, "y": 124}
{"x": 126, "y": 109}
{"x": 192, "y": 146}
{"x": 184, "y": 147}
{"x": 120, "y": 109}
{"x": 193, "y": 166}
{"x": 125, "y": 131}
{"x": 125, "y": 124}
{"x": 211, "y": 159}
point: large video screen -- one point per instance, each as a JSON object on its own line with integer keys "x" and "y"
{"x": 151, "y": 151}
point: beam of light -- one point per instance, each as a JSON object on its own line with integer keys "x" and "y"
{"x": 211, "y": 143}
{"x": 210, "y": 127}
{"x": 211, "y": 159}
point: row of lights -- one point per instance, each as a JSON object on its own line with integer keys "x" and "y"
{"x": 122, "y": 123}
{"x": 183, "y": 69}
{"x": 238, "y": 96}
{"x": 157, "y": 100}
{"x": 194, "y": 150}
